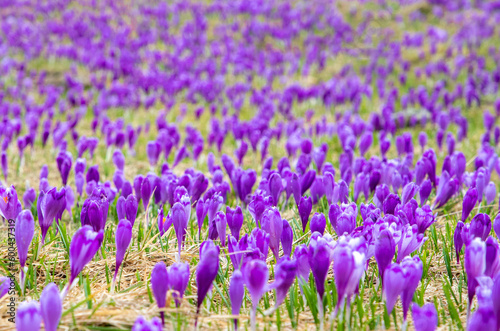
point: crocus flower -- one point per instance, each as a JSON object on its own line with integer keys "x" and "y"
{"x": 490, "y": 193}
{"x": 394, "y": 283}
{"x": 159, "y": 286}
{"x": 287, "y": 238}
{"x": 4, "y": 286}
{"x": 496, "y": 225}
{"x": 10, "y": 206}
{"x": 273, "y": 224}
{"x": 275, "y": 187}
{"x": 180, "y": 222}
{"x": 178, "y": 277}
{"x": 118, "y": 159}
{"x": 123, "y": 236}
{"x": 64, "y": 163}
{"x": 305, "y": 207}
{"x": 458, "y": 239}
{"x": 425, "y": 317}
{"x": 84, "y": 245}
{"x": 470, "y": 200}
{"x": 256, "y": 276}
{"x": 284, "y": 276}
{"x": 206, "y": 271}
{"x": 4, "y": 162}
{"x": 318, "y": 223}
{"x": 221, "y": 223}
{"x": 236, "y": 293}
{"x": 480, "y": 226}
{"x": 126, "y": 208}
{"x": 28, "y": 316}
{"x": 95, "y": 210}
{"x": 319, "y": 260}
{"x": 234, "y": 219}
{"x": 141, "y": 324}
{"x": 201, "y": 213}
{"x": 29, "y": 198}
{"x": 413, "y": 268}
{"x": 410, "y": 241}
{"x": 475, "y": 264}
{"x": 51, "y": 307}
{"x": 482, "y": 319}
{"x": 385, "y": 249}
{"x": 25, "y": 229}
{"x": 153, "y": 151}
{"x": 49, "y": 204}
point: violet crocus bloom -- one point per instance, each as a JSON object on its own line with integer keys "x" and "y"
{"x": 425, "y": 191}
{"x": 413, "y": 268}
{"x": 475, "y": 265}
{"x": 425, "y": 317}
{"x": 490, "y": 192}
{"x": 319, "y": 258}
{"x": 256, "y": 276}
{"x": 64, "y": 163}
{"x": 28, "y": 316}
{"x": 95, "y": 210}
{"x": 25, "y": 229}
{"x": 180, "y": 222}
{"x": 458, "y": 239}
{"x": 206, "y": 271}
{"x": 496, "y": 225}
{"x": 410, "y": 241}
{"x": 153, "y": 151}
{"x": 141, "y": 324}
{"x": 51, "y": 307}
{"x": 287, "y": 238}
{"x": 480, "y": 226}
{"x": 126, "y": 208}
{"x": 4, "y": 286}
{"x": 393, "y": 285}
{"x": 221, "y": 224}
{"x": 284, "y": 276}
{"x": 49, "y": 204}
{"x": 159, "y": 286}
{"x": 10, "y": 206}
{"x": 470, "y": 200}
{"x": 273, "y": 224}
{"x": 4, "y": 162}
{"x": 305, "y": 207}
{"x": 29, "y": 198}
{"x": 201, "y": 213}
{"x": 178, "y": 277}
{"x": 318, "y": 223}
{"x": 123, "y": 236}
{"x": 118, "y": 159}
{"x": 83, "y": 247}
{"x": 234, "y": 219}
{"x": 385, "y": 249}
{"x": 236, "y": 294}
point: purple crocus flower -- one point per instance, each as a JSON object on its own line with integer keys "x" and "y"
{"x": 201, "y": 213}
{"x": 180, "y": 221}
{"x": 273, "y": 224}
{"x": 275, "y": 187}
{"x": 458, "y": 239}
{"x": 127, "y": 208}
{"x": 206, "y": 271}
{"x": 496, "y": 225}
{"x": 490, "y": 193}
{"x": 234, "y": 219}
{"x": 393, "y": 285}
{"x": 118, "y": 159}
{"x": 28, "y": 316}
{"x": 319, "y": 258}
{"x": 10, "y": 206}
{"x": 153, "y": 151}
{"x": 425, "y": 190}
{"x": 256, "y": 276}
{"x": 413, "y": 273}
{"x": 425, "y": 317}
{"x": 221, "y": 224}
{"x": 95, "y": 210}
{"x": 25, "y": 229}
{"x": 51, "y": 307}
{"x": 305, "y": 207}
{"x": 178, "y": 277}
{"x": 159, "y": 286}
{"x": 284, "y": 276}
{"x": 49, "y": 204}
{"x": 4, "y": 286}
{"x": 318, "y": 223}
{"x": 482, "y": 319}
{"x": 470, "y": 200}
{"x": 475, "y": 265}
{"x": 287, "y": 238}
{"x": 480, "y": 226}
{"x": 385, "y": 249}
{"x": 410, "y": 241}
{"x": 29, "y": 198}
{"x": 141, "y": 324}
{"x": 236, "y": 294}
{"x": 4, "y": 163}
{"x": 84, "y": 245}
{"x": 64, "y": 163}
{"x": 123, "y": 236}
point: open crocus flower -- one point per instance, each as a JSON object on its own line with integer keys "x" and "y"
{"x": 49, "y": 205}
{"x": 95, "y": 210}
{"x": 284, "y": 276}
{"x": 10, "y": 206}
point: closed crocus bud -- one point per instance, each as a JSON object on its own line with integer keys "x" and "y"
{"x": 470, "y": 200}
{"x": 480, "y": 226}
{"x": 490, "y": 193}
{"x": 141, "y": 324}
{"x": 4, "y": 162}
{"x": 475, "y": 264}
{"x": 220, "y": 224}
{"x": 287, "y": 238}
{"x": 153, "y": 150}
{"x": 425, "y": 317}
{"x": 4, "y": 286}
{"x": 138, "y": 185}
{"x": 64, "y": 164}
{"x": 234, "y": 219}
{"x": 236, "y": 293}
{"x": 118, "y": 159}
{"x": 256, "y": 276}
{"x": 275, "y": 187}
{"x": 318, "y": 223}
{"x": 95, "y": 210}
{"x": 201, "y": 213}
{"x": 206, "y": 271}
{"x": 273, "y": 224}
{"x": 458, "y": 239}
{"x": 159, "y": 286}
{"x": 180, "y": 222}
{"x": 365, "y": 142}
{"x": 93, "y": 174}
{"x": 284, "y": 276}
{"x": 295, "y": 188}
{"x": 51, "y": 307}
{"x": 10, "y": 206}
{"x": 413, "y": 269}
{"x": 425, "y": 190}
{"x": 178, "y": 277}
{"x": 123, "y": 236}
{"x": 393, "y": 285}
{"x": 482, "y": 319}
{"x": 305, "y": 207}
{"x": 319, "y": 260}
{"x": 79, "y": 183}
{"x": 49, "y": 205}
{"x": 28, "y": 316}
{"x": 127, "y": 208}
{"x": 29, "y": 198}
{"x": 390, "y": 203}
{"x": 25, "y": 229}
{"x": 409, "y": 191}
{"x": 83, "y": 247}
{"x": 385, "y": 249}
